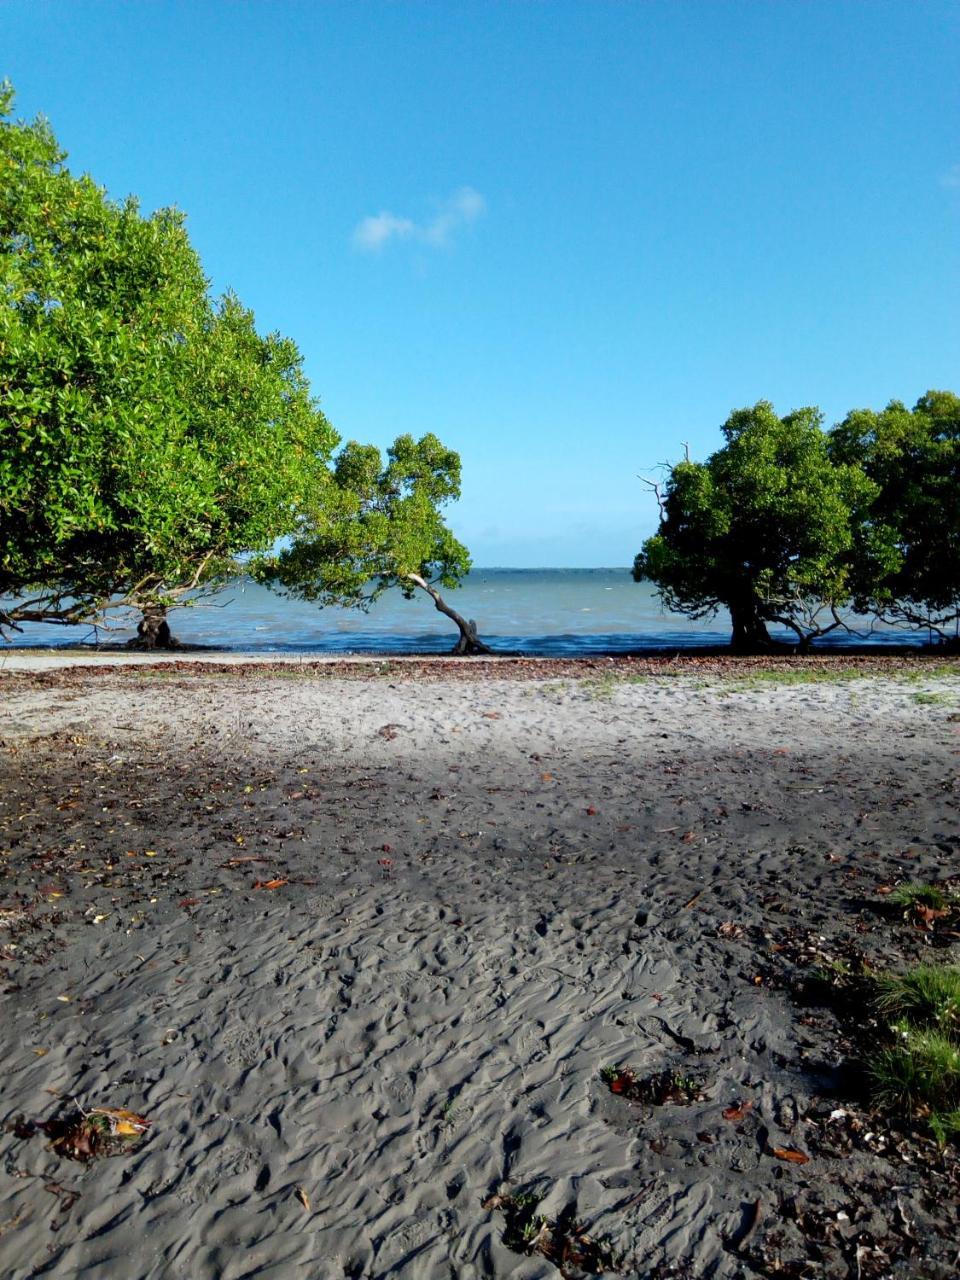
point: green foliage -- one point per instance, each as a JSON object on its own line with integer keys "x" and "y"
{"x": 762, "y": 528}
{"x": 907, "y": 566}
{"x": 379, "y": 525}
{"x": 148, "y": 435}
{"x": 928, "y": 995}
{"x": 927, "y": 895}
{"x": 918, "y": 1071}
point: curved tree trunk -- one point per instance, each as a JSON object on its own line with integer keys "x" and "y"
{"x": 469, "y": 643}
{"x": 153, "y": 632}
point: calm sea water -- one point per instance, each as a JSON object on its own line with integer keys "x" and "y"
{"x": 533, "y": 611}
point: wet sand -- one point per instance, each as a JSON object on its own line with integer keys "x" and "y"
{"x": 494, "y": 886}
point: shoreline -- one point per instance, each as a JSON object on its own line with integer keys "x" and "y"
{"x": 873, "y": 660}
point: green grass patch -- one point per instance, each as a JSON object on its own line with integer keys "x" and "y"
{"x": 927, "y": 895}
{"x": 929, "y": 699}
{"x": 928, "y": 995}
{"x": 917, "y": 1072}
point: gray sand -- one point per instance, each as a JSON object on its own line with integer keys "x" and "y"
{"x": 494, "y": 890}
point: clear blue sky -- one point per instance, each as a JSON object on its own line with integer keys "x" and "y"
{"x": 562, "y": 236}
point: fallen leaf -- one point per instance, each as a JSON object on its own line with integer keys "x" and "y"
{"x": 738, "y": 1111}
{"x": 884, "y": 888}
{"x": 270, "y": 884}
{"x": 688, "y": 837}
{"x": 730, "y": 929}
{"x": 591, "y": 811}
{"x": 791, "y": 1154}
{"x": 546, "y": 777}
{"x": 303, "y": 1198}
{"x": 491, "y": 715}
{"x": 41, "y": 1053}
{"x": 188, "y": 902}
{"x": 929, "y": 914}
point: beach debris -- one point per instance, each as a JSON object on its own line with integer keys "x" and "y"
{"x": 564, "y": 1241}
{"x": 753, "y": 1215}
{"x": 388, "y": 731}
{"x": 188, "y": 902}
{"x": 730, "y": 929}
{"x": 790, "y": 1154}
{"x": 277, "y": 883}
{"x": 386, "y": 867}
{"x": 590, "y": 811}
{"x": 84, "y": 1134}
{"x": 491, "y": 715}
{"x": 303, "y": 1197}
{"x": 655, "y": 1090}
{"x": 739, "y": 1111}
{"x": 927, "y": 916}
{"x": 67, "y": 1196}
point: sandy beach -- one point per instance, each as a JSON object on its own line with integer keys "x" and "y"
{"x": 360, "y": 944}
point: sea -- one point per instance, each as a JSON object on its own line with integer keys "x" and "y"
{"x": 542, "y": 612}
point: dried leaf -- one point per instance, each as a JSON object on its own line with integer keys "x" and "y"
{"x": 790, "y": 1154}
{"x": 491, "y": 715}
{"x": 189, "y": 902}
{"x": 303, "y": 1198}
{"x": 591, "y": 811}
{"x": 929, "y": 914}
{"x": 270, "y": 884}
{"x": 739, "y": 1111}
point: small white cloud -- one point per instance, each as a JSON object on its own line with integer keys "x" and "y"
{"x": 463, "y": 207}
{"x": 374, "y": 232}
{"x": 951, "y": 179}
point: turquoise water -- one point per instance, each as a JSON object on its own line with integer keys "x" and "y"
{"x": 534, "y": 611}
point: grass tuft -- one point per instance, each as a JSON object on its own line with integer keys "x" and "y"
{"x": 927, "y": 895}
{"x": 920, "y": 1071}
{"x": 917, "y": 1072}
{"x": 928, "y": 995}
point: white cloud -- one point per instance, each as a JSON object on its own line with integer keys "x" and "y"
{"x": 951, "y": 178}
{"x": 462, "y": 208}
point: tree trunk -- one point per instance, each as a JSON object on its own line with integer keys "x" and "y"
{"x": 153, "y": 632}
{"x": 469, "y": 644}
{"x": 750, "y": 635}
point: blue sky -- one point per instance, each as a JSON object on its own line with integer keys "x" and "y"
{"x": 564, "y": 237}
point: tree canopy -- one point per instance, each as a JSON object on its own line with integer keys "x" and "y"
{"x": 380, "y": 525}
{"x": 908, "y": 564}
{"x": 148, "y": 433}
{"x": 763, "y": 528}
